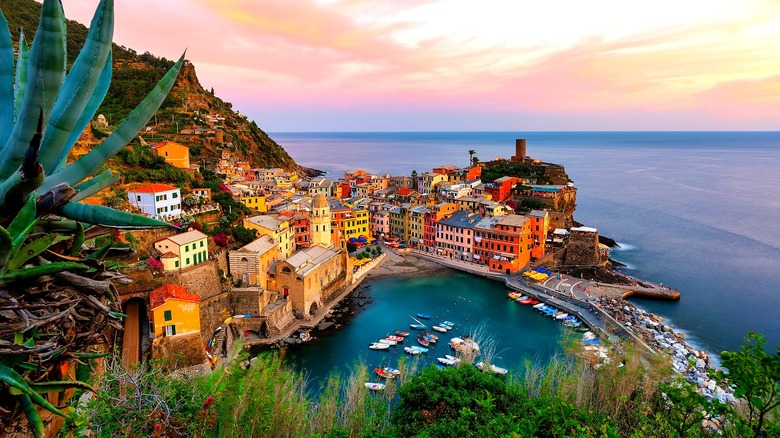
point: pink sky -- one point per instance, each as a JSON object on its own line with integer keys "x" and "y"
{"x": 350, "y": 65}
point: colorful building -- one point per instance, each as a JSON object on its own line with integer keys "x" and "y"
{"x": 417, "y": 225}
{"x": 156, "y": 200}
{"x": 174, "y": 311}
{"x": 355, "y": 224}
{"x": 302, "y": 229}
{"x": 183, "y": 250}
{"x": 501, "y": 189}
{"x": 503, "y": 243}
{"x": 380, "y": 223}
{"x": 256, "y": 202}
{"x": 250, "y": 263}
{"x": 320, "y": 221}
{"x": 455, "y": 235}
{"x": 310, "y": 277}
{"x": 175, "y": 154}
{"x": 540, "y": 226}
{"x": 278, "y": 228}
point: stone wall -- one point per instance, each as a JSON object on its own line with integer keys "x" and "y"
{"x": 213, "y": 312}
{"x": 248, "y": 300}
{"x": 202, "y": 280}
{"x": 181, "y": 350}
{"x": 583, "y": 249}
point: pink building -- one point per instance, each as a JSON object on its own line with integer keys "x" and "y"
{"x": 455, "y": 235}
{"x": 380, "y": 223}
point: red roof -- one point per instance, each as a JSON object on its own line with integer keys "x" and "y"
{"x": 168, "y": 291}
{"x": 404, "y": 191}
{"x": 154, "y": 188}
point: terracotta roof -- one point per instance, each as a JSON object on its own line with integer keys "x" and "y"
{"x": 154, "y": 188}
{"x": 168, "y": 255}
{"x": 170, "y": 291}
{"x": 404, "y": 191}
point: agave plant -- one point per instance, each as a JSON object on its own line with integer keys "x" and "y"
{"x": 55, "y": 304}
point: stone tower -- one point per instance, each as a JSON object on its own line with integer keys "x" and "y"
{"x": 320, "y": 221}
{"x": 519, "y": 150}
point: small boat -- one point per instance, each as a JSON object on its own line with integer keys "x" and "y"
{"x": 592, "y": 342}
{"x": 401, "y": 333}
{"x": 375, "y": 386}
{"x": 423, "y": 316}
{"x": 431, "y": 338}
{"x": 513, "y": 295}
{"x": 418, "y": 348}
{"x": 412, "y": 351}
{"x": 445, "y": 361}
{"x": 387, "y": 341}
{"x": 417, "y": 326}
{"x": 449, "y": 323}
{"x": 393, "y": 371}
{"x": 382, "y": 373}
{"x": 562, "y": 316}
{"x": 526, "y": 301}
{"x": 305, "y": 337}
{"x": 422, "y": 341}
{"x": 394, "y": 338}
{"x": 534, "y": 302}
{"x": 452, "y": 358}
{"x": 464, "y": 345}
{"x": 492, "y": 368}
{"x": 378, "y": 346}
{"x": 538, "y": 305}
{"x": 439, "y": 329}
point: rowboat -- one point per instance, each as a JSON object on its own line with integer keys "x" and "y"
{"x": 378, "y": 346}
{"x": 422, "y": 341}
{"x": 464, "y": 345}
{"x": 513, "y": 295}
{"x": 452, "y": 358}
{"x": 412, "y": 351}
{"x": 394, "y": 338}
{"x": 492, "y": 368}
{"x": 431, "y": 338}
{"x": 387, "y": 341}
{"x": 423, "y": 316}
{"x": 563, "y": 316}
{"x": 538, "y": 305}
{"x": 445, "y": 361}
{"x": 401, "y": 333}
{"x": 418, "y": 348}
{"x": 447, "y": 323}
{"x": 439, "y": 329}
{"x": 417, "y": 326}
{"x": 382, "y": 373}
{"x": 526, "y": 301}
{"x": 394, "y": 371}
{"x": 375, "y": 386}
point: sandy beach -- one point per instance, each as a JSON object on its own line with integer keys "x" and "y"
{"x": 396, "y": 264}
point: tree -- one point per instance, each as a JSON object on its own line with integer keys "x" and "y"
{"x": 755, "y": 376}
{"x": 471, "y": 156}
{"x": 475, "y": 160}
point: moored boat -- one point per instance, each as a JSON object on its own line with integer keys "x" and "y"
{"x": 418, "y": 348}
{"x": 423, "y": 316}
{"x": 378, "y": 346}
{"x": 445, "y": 361}
{"x": 439, "y": 329}
{"x": 417, "y": 326}
{"x": 526, "y": 301}
{"x": 394, "y": 371}
{"x": 422, "y": 341}
{"x": 375, "y": 386}
{"x": 447, "y": 323}
{"x": 401, "y": 333}
{"x": 412, "y": 351}
{"x": 382, "y": 373}
{"x": 464, "y": 345}
{"x": 387, "y": 341}
{"x": 452, "y": 358}
{"x": 394, "y": 338}
{"x": 492, "y": 368}
{"x": 430, "y": 337}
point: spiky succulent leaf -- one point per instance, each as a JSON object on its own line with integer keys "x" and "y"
{"x": 6, "y": 243}
{"x": 94, "y": 185}
{"x": 59, "y": 386}
{"x": 37, "y": 271}
{"x": 45, "y": 73}
{"x": 6, "y": 78}
{"x": 34, "y": 248}
{"x": 24, "y": 218}
{"x": 15, "y": 189}
{"x": 89, "y": 111}
{"x": 78, "y": 240}
{"x": 20, "y": 84}
{"x": 108, "y": 217}
{"x": 89, "y": 163}
{"x": 79, "y": 85}
{"x": 28, "y": 407}
{"x": 14, "y": 380}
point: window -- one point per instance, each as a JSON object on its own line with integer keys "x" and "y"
{"x": 186, "y": 248}
{"x": 175, "y": 263}
{"x": 174, "y": 195}
{"x": 170, "y": 330}
{"x": 201, "y": 244}
{"x": 138, "y": 198}
{"x": 167, "y": 315}
{"x": 187, "y": 262}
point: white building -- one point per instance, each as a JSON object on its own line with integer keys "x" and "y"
{"x": 157, "y": 200}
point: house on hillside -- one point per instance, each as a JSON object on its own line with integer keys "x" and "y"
{"x": 183, "y": 250}
{"x": 159, "y": 201}
{"x": 251, "y": 262}
{"x": 174, "y": 311}
{"x": 177, "y": 155}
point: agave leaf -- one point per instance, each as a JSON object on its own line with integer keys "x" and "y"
{"x": 96, "y": 184}
{"x": 6, "y": 79}
{"x": 14, "y": 380}
{"x": 45, "y": 73}
{"x": 59, "y": 386}
{"x": 102, "y": 251}
{"x": 5, "y": 248}
{"x": 89, "y": 355}
{"x": 89, "y": 111}
{"x": 79, "y": 85}
{"x": 37, "y": 271}
{"x": 108, "y": 217}
{"x": 28, "y": 407}
{"x": 34, "y": 248}
{"x": 22, "y": 61}
{"x": 89, "y": 163}
{"x": 17, "y": 188}
{"x": 24, "y": 218}
{"x": 78, "y": 240}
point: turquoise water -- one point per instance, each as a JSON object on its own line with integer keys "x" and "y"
{"x": 519, "y": 332}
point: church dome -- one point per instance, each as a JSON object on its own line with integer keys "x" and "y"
{"x": 319, "y": 201}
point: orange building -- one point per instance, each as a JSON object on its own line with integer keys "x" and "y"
{"x": 503, "y": 243}
{"x": 540, "y": 224}
{"x": 174, "y": 153}
{"x": 174, "y": 310}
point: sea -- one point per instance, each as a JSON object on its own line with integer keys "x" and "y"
{"x": 696, "y": 211}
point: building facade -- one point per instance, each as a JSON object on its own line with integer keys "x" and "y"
{"x": 183, "y": 250}
{"x": 156, "y": 200}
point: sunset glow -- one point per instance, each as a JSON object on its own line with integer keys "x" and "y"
{"x": 463, "y": 65}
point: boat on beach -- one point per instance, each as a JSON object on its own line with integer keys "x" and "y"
{"x": 375, "y": 386}
{"x": 378, "y": 346}
{"x": 464, "y": 345}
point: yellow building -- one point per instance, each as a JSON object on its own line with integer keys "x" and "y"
{"x": 183, "y": 250}
{"x": 281, "y": 231}
{"x": 417, "y": 224}
{"x": 255, "y": 202}
{"x": 356, "y": 224}
{"x": 311, "y": 277}
{"x": 174, "y": 311}
{"x": 174, "y": 153}
{"x": 251, "y": 262}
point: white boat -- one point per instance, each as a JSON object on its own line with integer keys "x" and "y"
{"x": 563, "y": 316}
{"x": 464, "y": 345}
{"x": 445, "y": 361}
{"x": 379, "y": 346}
{"x": 439, "y": 329}
{"x": 452, "y": 358}
{"x": 394, "y": 371}
{"x": 419, "y": 348}
{"x": 449, "y": 323}
{"x": 536, "y": 306}
{"x": 375, "y": 386}
{"x": 412, "y": 351}
{"x": 387, "y": 341}
{"x": 493, "y": 368}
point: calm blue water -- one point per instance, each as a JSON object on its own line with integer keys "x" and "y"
{"x": 518, "y": 332}
{"x": 698, "y": 211}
